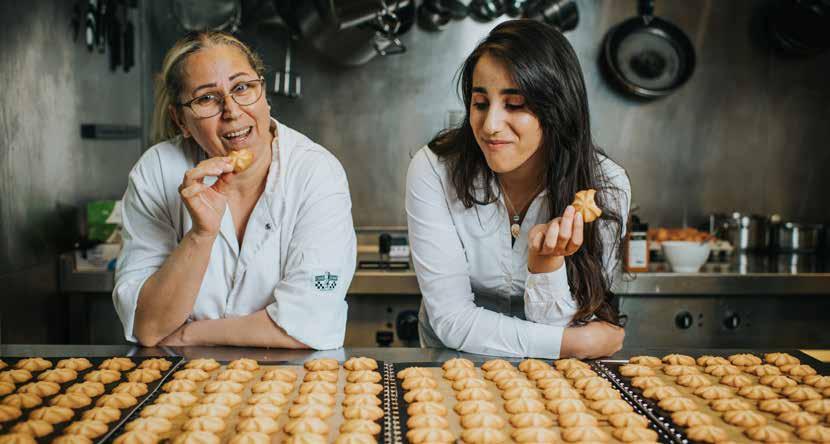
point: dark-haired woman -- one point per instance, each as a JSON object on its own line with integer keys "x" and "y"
{"x": 505, "y": 264}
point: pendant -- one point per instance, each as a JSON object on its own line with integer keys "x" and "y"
{"x": 515, "y": 229}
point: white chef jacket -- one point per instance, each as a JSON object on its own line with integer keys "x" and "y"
{"x": 298, "y": 255}
{"x": 477, "y": 294}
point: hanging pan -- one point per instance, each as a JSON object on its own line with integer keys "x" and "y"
{"x": 647, "y": 57}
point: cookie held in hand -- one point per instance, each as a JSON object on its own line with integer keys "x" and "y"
{"x": 241, "y": 160}
{"x": 584, "y": 203}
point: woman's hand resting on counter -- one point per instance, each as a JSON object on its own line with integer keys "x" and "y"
{"x": 549, "y": 243}
{"x": 206, "y": 204}
{"x": 596, "y": 339}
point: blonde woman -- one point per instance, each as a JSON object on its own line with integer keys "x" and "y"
{"x": 218, "y": 252}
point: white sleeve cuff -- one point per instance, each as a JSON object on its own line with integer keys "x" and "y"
{"x": 545, "y": 340}
{"x": 541, "y": 286}
{"x": 548, "y": 298}
{"x": 125, "y": 299}
{"x": 317, "y": 320}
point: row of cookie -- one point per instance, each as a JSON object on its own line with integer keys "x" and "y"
{"x": 206, "y": 415}
{"x": 786, "y": 411}
{"x": 428, "y": 417}
{"x": 93, "y": 423}
{"x": 699, "y": 426}
{"x": 608, "y": 408}
{"x": 771, "y": 387}
{"x": 783, "y": 362}
{"x": 58, "y": 376}
{"x": 530, "y": 423}
{"x": 585, "y": 384}
{"x": 566, "y": 402}
{"x": 79, "y": 364}
{"x": 743, "y": 414}
{"x": 578, "y": 382}
{"x": 361, "y": 404}
{"x": 762, "y": 433}
{"x": 478, "y": 414}
{"x": 734, "y": 410}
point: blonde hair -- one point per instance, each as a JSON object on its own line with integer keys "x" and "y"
{"x": 170, "y": 82}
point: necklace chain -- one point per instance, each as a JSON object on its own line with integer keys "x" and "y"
{"x": 516, "y": 215}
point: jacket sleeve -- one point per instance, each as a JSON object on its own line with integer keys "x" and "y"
{"x": 149, "y": 237}
{"x": 547, "y": 297}
{"x": 309, "y": 302}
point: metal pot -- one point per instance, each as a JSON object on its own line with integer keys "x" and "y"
{"x": 747, "y": 232}
{"x": 797, "y": 237}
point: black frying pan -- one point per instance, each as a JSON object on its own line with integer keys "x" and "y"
{"x": 647, "y": 57}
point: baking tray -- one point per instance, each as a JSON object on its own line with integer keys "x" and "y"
{"x": 400, "y": 417}
{"x": 95, "y": 361}
{"x": 385, "y": 436}
{"x": 611, "y": 370}
{"x": 660, "y": 419}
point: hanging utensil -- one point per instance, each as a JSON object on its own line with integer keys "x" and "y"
{"x": 114, "y": 33}
{"x": 561, "y": 14}
{"x": 129, "y": 46}
{"x": 516, "y": 8}
{"x": 286, "y": 82}
{"x": 453, "y": 8}
{"x": 346, "y": 32}
{"x": 197, "y": 15}
{"x": 647, "y": 57}
{"x": 799, "y": 28}
{"x": 387, "y": 25}
{"x": 75, "y": 20}
{"x": 102, "y": 21}
{"x": 90, "y": 23}
{"x": 431, "y": 19}
{"x": 484, "y": 11}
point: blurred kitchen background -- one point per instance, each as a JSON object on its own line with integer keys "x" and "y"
{"x": 747, "y": 133}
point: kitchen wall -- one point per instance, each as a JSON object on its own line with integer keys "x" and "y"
{"x": 50, "y": 85}
{"x": 748, "y": 132}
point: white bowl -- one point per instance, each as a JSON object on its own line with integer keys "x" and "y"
{"x": 686, "y": 256}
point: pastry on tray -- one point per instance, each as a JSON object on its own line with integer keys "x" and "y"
{"x": 117, "y": 364}
{"x": 144, "y": 375}
{"x": 648, "y": 361}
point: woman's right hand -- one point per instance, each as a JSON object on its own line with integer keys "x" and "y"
{"x": 206, "y": 204}
{"x": 596, "y": 339}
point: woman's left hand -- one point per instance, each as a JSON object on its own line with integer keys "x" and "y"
{"x": 549, "y": 243}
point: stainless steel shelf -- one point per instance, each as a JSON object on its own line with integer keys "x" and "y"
{"x": 714, "y": 280}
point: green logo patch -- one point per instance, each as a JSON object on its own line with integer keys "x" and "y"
{"x": 325, "y": 282}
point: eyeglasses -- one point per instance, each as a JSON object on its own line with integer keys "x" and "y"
{"x": 212, "y": 104}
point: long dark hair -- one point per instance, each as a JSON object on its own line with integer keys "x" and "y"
{"x": 547, "y": 72}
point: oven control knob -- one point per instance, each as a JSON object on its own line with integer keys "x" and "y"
{"x": 732, "y": 321}
{"x": 684, "y": 320}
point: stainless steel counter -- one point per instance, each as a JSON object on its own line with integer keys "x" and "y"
{"x": 299, "y": 356}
